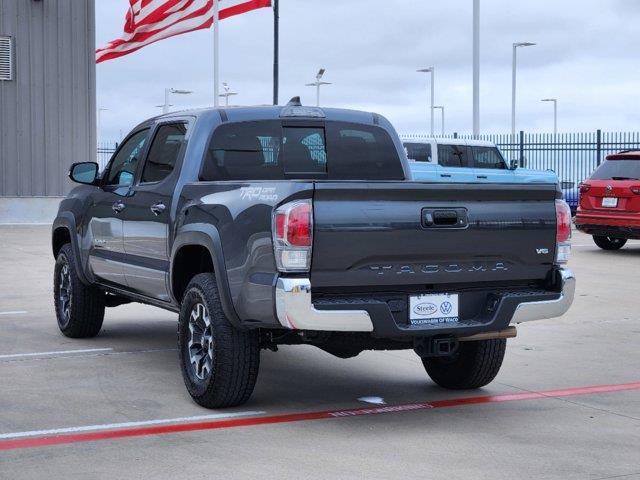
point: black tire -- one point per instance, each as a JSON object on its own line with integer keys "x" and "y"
{"x": 473, "y": 365}
{"x": 79, "y": 307}
{"x": 233, "y": 356}
{"x": 609, "y": 243}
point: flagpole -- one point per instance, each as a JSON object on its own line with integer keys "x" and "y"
{"x": 276, "y": 49}
{"x": 216, "y": 53}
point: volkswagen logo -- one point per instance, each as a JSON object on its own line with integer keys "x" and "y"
{"x": 446, "y": 308}
{"x": 609, "y": 188}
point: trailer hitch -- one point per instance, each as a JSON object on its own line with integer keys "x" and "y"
{"x": 435, "y": 347}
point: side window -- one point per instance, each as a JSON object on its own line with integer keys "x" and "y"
{"x": 304, "y": 150}
{"x": 418, "y": 152}
{"x": 123, "y": 166}
{"x": 244, "y": 151}
{"x": 163, "y": 153}
{"x": 452, "y": 156}
{"x": 488, "y": 157}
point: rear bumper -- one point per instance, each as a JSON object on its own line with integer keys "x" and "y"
{"x": 295, "y": 310}
{"x": 604, "y": 217}
{"x": 615, "y": 231}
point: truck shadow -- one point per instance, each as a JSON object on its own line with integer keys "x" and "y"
{"x": 296, "y": 377}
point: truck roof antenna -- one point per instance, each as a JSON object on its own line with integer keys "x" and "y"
{"x": 295, "y": 102}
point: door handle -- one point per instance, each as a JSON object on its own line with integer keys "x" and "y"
{"x": 482, "y": 177}
{"x": 118, "y": 207}
{"x": 158, "y": 208}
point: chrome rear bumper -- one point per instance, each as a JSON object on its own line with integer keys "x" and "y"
{"x": 295, "y": 310}
{"x": 529, "y": 311}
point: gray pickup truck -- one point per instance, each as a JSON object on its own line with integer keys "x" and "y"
{"x": 266, "y": 226}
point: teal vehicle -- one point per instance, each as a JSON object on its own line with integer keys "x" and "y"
{"x": 467, "y": 161}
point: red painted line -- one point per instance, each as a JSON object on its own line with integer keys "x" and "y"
{"x": 301, "y": 417}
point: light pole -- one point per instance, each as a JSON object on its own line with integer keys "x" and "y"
{"x": 317, "y": 84}
{"x": 169, "y": 91}
{"x": 216, "y": 52}
{"x": 476, "y": 68}
{"x": 555, "y": 113}
{"x": 227, "y": 93}
{"x": 430, "y": 70}
{"x": 441, "y": 108}
{"x": 513, "y": 83}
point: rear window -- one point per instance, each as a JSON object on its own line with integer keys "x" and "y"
{"x": 618, "y": 170}
{"x": 418, "y": 152}
{"x": 269, "y": 150}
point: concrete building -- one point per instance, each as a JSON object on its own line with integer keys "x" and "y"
{"x": 47, "y": 102}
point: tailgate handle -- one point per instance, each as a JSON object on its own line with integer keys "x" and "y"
{"x": 444, "y": 218}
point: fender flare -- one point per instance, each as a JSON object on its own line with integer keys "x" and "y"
{"x": 67, "y": 220}
{"x": 206, "y": 235}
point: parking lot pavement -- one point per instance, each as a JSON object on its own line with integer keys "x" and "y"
{"x": 127, "y": 379}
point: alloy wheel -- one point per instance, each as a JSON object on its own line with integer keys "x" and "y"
{"x": 65, "y": 293}
{"x": 200, "y": 342}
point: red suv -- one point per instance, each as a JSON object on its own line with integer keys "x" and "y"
{"x": 609, "y": 206}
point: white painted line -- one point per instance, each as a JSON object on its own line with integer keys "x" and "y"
{"x": 16, "y": 312}
{"x": 59, "y": 352}
{"x": 110, "y": 426}
{"x": 373, "y": 400}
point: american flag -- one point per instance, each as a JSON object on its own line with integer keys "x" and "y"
{"x": 148, "y": 21}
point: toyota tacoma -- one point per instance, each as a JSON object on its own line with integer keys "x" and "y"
{"x": 268, "y": 226}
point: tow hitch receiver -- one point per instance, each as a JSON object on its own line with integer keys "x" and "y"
{"x": 435, "y": 347}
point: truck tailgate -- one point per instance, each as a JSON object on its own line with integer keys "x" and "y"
{"x": 409, "y": 233}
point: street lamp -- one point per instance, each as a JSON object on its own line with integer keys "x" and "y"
{"x": 513, "y": 83}
{"x": 555, "y": 113}
{"x": 476, "y": 68}
{"x": 167, "y": 92}
{"x": 317, "y": 84}
{"x": 227, "y": 93}
{"x": 441, "y": 108}
{"x": 430, "y": 70}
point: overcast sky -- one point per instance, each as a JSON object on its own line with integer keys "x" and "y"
{"x": 588, "y": 56}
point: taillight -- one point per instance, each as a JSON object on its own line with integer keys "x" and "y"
{"x": 636, "y": 190}
{"x": 293, "y": 236}
{"x": 563, "y": 231}
{"x": 584, "y": 188}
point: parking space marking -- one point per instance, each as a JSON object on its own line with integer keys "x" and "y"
{"x": 149, "y": 430}
{"x": 59, "y": 352}
{"x": 15, "y": 312}
{"x": 111, "y": 426}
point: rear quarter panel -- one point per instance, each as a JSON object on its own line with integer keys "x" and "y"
{"x": 241, "y": 212}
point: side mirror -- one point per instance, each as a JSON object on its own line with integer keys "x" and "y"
{"x": 84, "y": 172}
{"x": 513, "y": 164}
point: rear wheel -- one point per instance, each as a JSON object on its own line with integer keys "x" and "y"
{"x": 79, "y": 307}
{"x": 609, "y": 243}
{"x": 219, "y": 363}
{"x": 473, "y": 365}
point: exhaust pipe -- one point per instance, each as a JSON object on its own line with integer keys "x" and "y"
{"x": 509, "y": 332}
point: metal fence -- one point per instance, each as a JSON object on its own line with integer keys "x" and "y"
{"x": 105, "y": 150}
{"x": 573, "y": 156}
